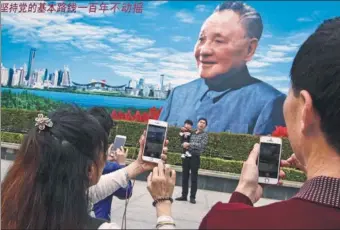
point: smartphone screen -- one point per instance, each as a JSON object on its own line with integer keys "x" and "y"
{"x": 154, "y": 141}
{"x": 269, "y": 160}
{"x": 118, "y": 143}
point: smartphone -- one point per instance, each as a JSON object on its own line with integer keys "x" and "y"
{"x": 155, "y": 138}
{"x": 118, "y": 142}
{"x": 269, "y": 159}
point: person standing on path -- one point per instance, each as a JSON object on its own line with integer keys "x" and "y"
{"x": 198, "y": 142}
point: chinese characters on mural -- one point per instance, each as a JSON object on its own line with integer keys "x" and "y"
{"x": 42, "y": 7}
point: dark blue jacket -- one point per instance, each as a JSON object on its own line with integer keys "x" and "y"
{"x": 102, "y": 209}
{"x": 238, "y": 104}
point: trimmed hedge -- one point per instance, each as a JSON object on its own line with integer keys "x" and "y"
{"x": 16, "y": 138}
{"x": 208, "y": 163}
{"x": 221, "y": 165}
{"x": 221, "y": 145}
{"x": 18, "y": 121}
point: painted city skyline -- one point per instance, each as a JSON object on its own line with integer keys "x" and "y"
{"x": 159, "y": 41}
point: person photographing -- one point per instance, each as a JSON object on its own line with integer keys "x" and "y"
{"x": 116, "y": 159}
{"x": 311, "y": 112}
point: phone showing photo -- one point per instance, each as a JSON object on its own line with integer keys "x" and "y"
{"x": 269, "y": 160}
{"x": 155, "y": 139}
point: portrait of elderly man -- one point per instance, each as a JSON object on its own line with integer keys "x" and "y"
{"x": 226, "y": 94}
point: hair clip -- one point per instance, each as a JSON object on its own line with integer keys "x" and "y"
{"x": 42, "y": 122}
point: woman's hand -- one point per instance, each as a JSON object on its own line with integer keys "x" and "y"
{"x": 121, "y": 155}
{"x": 161, "y": 181}
{"x": 161, "y": 184}
{"x": 139, "y": 166}
{"x": 111, "y": 156}
{"x": 293, "y": 162}
{"x": 248, "y": 183}
{"x": 147, "y": 166}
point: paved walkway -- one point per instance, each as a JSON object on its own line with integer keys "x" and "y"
{"x": 142, "y": 215}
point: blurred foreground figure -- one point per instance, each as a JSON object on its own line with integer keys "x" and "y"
{"x": 115, "y": 161}
{"x": 57, "y": 176}
{"x": 312, "y": 115}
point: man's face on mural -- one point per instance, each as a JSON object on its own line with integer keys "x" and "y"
{"x": 222, "y": 44}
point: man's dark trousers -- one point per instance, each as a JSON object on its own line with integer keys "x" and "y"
{"x": 190, "y": 164}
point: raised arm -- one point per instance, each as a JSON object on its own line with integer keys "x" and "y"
{"x": 107, "y": 185}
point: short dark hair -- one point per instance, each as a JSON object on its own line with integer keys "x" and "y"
{"x": 203, "y": 119}
{"x": 189, "y": 122}
{"x": 250, "y": 18}
{"x": 316, "y": 69}
{"x": 103, "y": 118}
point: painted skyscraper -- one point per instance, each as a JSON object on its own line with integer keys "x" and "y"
{"x": 162, "y": 81}
{"x": 30, "y": 63}
{"x": 66, "y": 80}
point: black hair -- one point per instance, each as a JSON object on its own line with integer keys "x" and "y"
{"x": 189, "y": 122}
{"x": 103, "y": 118}
{"x": 250, "y": 18}
{"x": 46, "y": 187}
{"x": 203, "y": 119}
{"x": 316, "y": 69}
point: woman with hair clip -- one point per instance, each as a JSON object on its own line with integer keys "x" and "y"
{"x": 56, "y": 176}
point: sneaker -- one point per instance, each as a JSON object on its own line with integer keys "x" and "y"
{"x": 187, "y": 154}
{"x": 181, "y": 198}
{"x": 183, "y": 156}
{"x": 192, "y": 200}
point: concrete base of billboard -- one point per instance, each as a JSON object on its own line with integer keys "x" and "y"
{"x": 207, "y": 180}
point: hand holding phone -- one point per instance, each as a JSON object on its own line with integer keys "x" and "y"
{"x": 248, "y": 182}
{"x": 118, "y": 142}
{"x": 154, "y": 141}
{"x": 120, "y": 155}
{"x": 255, "y": 167}
{"x": 269, "y": 160}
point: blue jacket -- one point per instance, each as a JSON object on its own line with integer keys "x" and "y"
{"x": 238, "y": 104}
{"x": 102, "y": 209}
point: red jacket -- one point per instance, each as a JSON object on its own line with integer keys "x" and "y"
{"x": 316, "y": 206}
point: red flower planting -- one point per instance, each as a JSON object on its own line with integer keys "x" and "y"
{"x": 280, "y": 131}
{"x": 153, "y": 113}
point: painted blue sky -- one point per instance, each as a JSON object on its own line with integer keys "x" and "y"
{"x": 160, "y": 40}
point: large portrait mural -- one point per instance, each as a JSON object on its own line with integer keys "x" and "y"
{"x": 225, "y": 61}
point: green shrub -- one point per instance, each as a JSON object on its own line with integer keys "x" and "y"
{"x": 208, "y": 163}
{"x": 221, "y": 145}
{"x": 18, "y": 121}
{"x": 16, "y": 138}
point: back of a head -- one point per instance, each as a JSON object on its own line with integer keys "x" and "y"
{"x": 316, "y": 69}
{"x": 250, "y": 18}
{"x": 103, "y": 117}
{"x": 46, "y": 186}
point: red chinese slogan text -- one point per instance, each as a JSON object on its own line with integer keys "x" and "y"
{"x": 67, "y": 7}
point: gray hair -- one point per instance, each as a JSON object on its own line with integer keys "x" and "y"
{"x": 250, "y": 18}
